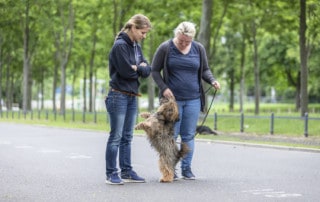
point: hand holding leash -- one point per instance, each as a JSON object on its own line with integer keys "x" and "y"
{"x": 168, "y": 93}
{"x": 216, "y": 85}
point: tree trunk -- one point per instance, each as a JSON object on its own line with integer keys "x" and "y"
{"x": 217, "y": 28}
{"x": 91, "y": 71}
{"x": 151, "y": 85}
{"x": 42, "y": 89}
{"x": 256, "y": 69}
{"x": 63, "y": 88}
{"x": 55, "y": 77}
{"x": 74, "y": 77}
{"x": 303, "y": 59}
{"x": 232, "y": 84}
{"x": 11, "y": 91}
{"x": 298, "y": 92}
{"x": 66, "y": 52}
{"x": 205, "y": 30}
{"x": 8, "y": 91}
{"x": 1, "y": 67}
{"x": 84, "y": 89}
{"x": 242, "y": 72}
{"x": 26, "y": 61}
{"x": 30, "y": 84}
{"x": 94, "y": 97}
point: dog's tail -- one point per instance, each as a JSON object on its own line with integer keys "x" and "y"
{"x": 184, "y": 149}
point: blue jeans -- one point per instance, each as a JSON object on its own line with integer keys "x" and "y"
{"x": 122, "y": 111}
{"x": 189, "y": 111}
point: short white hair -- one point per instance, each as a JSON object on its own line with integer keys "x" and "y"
{"x": 186, "y": 28}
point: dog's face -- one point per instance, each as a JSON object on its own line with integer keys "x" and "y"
{"x": 168, "y": 109}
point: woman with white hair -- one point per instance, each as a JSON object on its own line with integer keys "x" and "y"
{"x": 184, "y": 64}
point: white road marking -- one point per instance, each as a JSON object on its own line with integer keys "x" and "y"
{"x": 78, "y": 156}
{"x": 23, "y": 147}
{"x": 271, "y": 193}
{"x": 258, "y": 190}
{"x": 4, "y": 142}
{"x": 49, "y": 151}
{"x": 284, "y": 195}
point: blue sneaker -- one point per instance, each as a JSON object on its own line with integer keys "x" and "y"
{"x": 131, "y": 176}
{"x": 187, "y": 174}
{"x": 114, "y": 178}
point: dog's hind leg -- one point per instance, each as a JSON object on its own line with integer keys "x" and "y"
{"x": 166, "y": 170}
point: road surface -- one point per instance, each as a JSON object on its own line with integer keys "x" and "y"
{"x": 45, "y": 164}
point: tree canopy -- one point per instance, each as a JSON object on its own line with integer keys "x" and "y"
{"x": 253, "y": 47}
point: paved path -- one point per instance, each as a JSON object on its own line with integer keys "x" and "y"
{"x": 40, "y": 163}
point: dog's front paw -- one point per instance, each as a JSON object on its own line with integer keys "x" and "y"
{"x": 139, "y": 126}
{"x": 145, "y": 115}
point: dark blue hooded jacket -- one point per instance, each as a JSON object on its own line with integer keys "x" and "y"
{"x": 123, "y": 54}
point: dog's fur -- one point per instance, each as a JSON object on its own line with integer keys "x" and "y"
{"x": 205, "y": 130}
{"x": 159, "y": 127}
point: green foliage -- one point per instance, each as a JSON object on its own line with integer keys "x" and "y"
{"x": 98, "y": 21}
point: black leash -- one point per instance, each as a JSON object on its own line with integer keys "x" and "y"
{"x": 206, "y": 115}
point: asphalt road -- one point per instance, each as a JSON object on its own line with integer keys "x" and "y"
{"x": 46, "y": 164}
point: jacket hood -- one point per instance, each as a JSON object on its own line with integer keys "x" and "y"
{"x": 124, "y": 36}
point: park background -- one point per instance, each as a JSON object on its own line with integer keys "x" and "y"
{"x": 265, "y": 54}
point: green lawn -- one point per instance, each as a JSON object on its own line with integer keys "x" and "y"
{"x": 287, "y": 122}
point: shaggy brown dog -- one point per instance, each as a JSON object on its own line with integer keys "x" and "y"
{"x": 159, "y": 127}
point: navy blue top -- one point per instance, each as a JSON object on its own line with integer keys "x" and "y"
{"x": 160, "y": 69}
{"x": 123, "y": 54}
{"x": 183, "y": 70}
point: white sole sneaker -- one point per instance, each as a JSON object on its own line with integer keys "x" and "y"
{"x": 132, "y": 181}
{"x": 189, "y": 178}
{"x": 112, "y": 183}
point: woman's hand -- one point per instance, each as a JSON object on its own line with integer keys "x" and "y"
{"x": 143, "y": 64}
{"x": 168, "y": 93}
{"x": 216, "y": 85}
{"x": 135, "y": 67}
